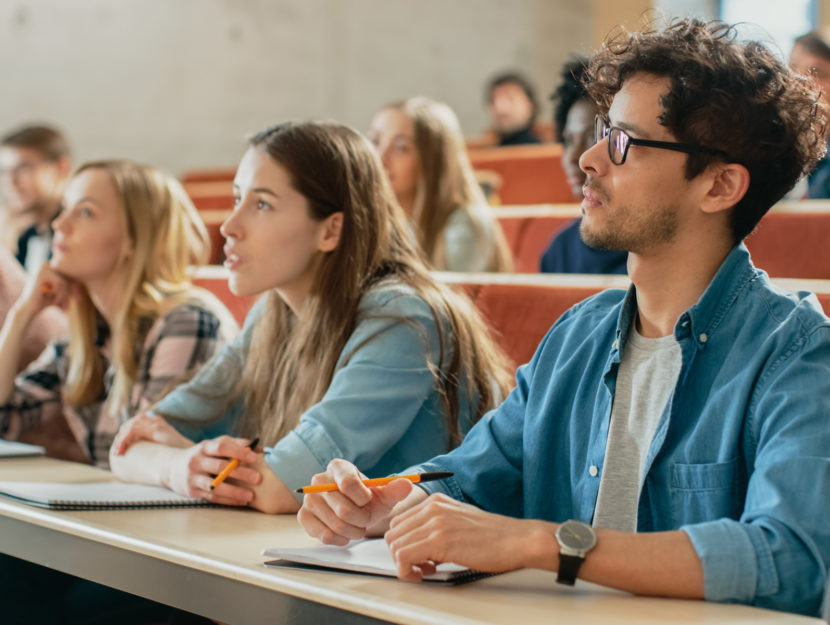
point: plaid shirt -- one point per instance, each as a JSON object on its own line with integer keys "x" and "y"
{"x": 180, "y": 341}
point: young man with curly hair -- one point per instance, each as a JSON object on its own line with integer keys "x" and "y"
{"x": 673, "y": 439}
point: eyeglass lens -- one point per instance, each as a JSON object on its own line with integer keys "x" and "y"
{"x": 617, "y": 140}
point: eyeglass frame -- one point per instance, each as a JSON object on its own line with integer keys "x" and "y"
{"x": 686, "y": 148}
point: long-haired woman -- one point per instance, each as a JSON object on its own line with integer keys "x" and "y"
{"x": 121, "y": 250}
{"x": 424, "y": 156}
{"x": 354, "y": 350}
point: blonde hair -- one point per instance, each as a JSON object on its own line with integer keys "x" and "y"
{"x": 447, "y": 182}
{"x": 167, "y": 236}
{"x": 292, "y": 359}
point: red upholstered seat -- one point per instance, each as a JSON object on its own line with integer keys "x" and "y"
{"x": 530, "y": 174}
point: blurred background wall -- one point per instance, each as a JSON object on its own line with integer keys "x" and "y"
{"x": 179, "y": 83}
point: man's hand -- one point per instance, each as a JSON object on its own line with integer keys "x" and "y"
{"x": 355, "y": 510}
{"x": 441, "y": 529}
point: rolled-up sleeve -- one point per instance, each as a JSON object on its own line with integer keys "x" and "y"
{"x": 777, "y": 554}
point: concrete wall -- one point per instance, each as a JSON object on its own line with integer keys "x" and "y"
{"x": 179, "y": 83}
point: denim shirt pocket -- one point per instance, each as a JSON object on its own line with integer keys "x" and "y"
{"x": 704, "y": 492}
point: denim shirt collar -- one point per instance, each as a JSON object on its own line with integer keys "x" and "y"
{"x": 701, "y": 320}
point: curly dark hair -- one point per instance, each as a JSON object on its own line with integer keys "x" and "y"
{"x": 736, "y": 97}
{"x": 569, "y": 92}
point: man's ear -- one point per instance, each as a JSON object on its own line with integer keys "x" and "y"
{"x": 728, "y": 184}
{"x": 330, "y": 233}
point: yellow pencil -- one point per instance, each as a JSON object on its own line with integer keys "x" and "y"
{"x": 378, "y": 481}
{"x": 224, "y": 473}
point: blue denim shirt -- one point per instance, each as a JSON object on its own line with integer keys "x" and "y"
{"x": 382, "y": 410}
{"x": 739, "y": 460}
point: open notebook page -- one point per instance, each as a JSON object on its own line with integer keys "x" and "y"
{"x": 370, "y": 556}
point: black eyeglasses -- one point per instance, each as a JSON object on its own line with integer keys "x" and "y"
{"x": 619, "y": 141}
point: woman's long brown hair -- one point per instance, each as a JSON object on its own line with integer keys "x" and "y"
{"x": 292, "y": 358}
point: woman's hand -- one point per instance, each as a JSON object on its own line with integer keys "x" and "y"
{"x": 190, "y": 471}
{"x": 46, "y": 288}
{"x": 144, "y": 427}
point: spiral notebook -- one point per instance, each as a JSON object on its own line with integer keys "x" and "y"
{"x": 369, "y": 556}
{"x": 14, "y": 449}
{"x": 96, "y": 496}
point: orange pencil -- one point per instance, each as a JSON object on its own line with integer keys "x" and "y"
{"x": 224, "y": 473}
{"x": 378, "y": 481}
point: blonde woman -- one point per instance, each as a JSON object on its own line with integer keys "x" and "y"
{"x": 424, "y": 156}
{"x": 353, "y": 349}
{"x": 121, "y": 249}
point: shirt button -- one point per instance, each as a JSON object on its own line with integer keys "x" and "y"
{"x": 616, "y": 344}
{"x": 592, "y": 470}
{"x": 703, "y": 337}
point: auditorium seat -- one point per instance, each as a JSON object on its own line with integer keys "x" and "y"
{"x": 791, "y": 241}
{"x": 519, "y": 308}
{"x": 531, "y": 174}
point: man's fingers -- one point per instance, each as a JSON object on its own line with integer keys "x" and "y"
{"x": 335, "y": 529}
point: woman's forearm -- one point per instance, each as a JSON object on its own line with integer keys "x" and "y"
{"x": 12, "y": 336}
{"x": 145, "y": 463}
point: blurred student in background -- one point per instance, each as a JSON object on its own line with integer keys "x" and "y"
{"x": 810, "y": 56}
{"x": 423, "y": 153}
{"x": 512, "y": 106}
{"x": 35, "y": 163}
{"x": 354, "y": 348}
{"x": 121, "y": 250}
{"x": 122, "y": 245}
{"x": 573, "y": 120}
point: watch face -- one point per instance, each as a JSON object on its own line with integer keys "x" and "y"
{"x": 576, "y": 535}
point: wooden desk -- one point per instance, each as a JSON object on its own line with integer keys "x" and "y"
{"x": 208, "y": 561}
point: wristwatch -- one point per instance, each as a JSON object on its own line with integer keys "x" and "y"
{"x": 575, "y": 539}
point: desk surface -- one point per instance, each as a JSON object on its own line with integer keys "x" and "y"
{"x": 208, "y": 561}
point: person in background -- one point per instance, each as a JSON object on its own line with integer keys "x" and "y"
{"x": 573, "y": 120}
{"x": 354, "y": 348}
{"x": 810, "y": 56}
{"x": 121, "y": 249}
{"x": 659, "y": 439}
{"x": 122, "y": 246}
{"x": 35, "y": 163}
{"x": 423, "y": 154}
{"x": 512, "y": 106}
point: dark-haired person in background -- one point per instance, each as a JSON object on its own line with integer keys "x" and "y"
{"x": 573, "y": 120}
{"x": 511, "y": 102}
{"x": 672, "y": 439}
{"x": 810, "y": 56}
{"x": 35, "y": 164}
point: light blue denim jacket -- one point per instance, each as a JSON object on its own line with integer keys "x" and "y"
{"x": 382, "y": 410}
{"x": 739, "y": 460}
